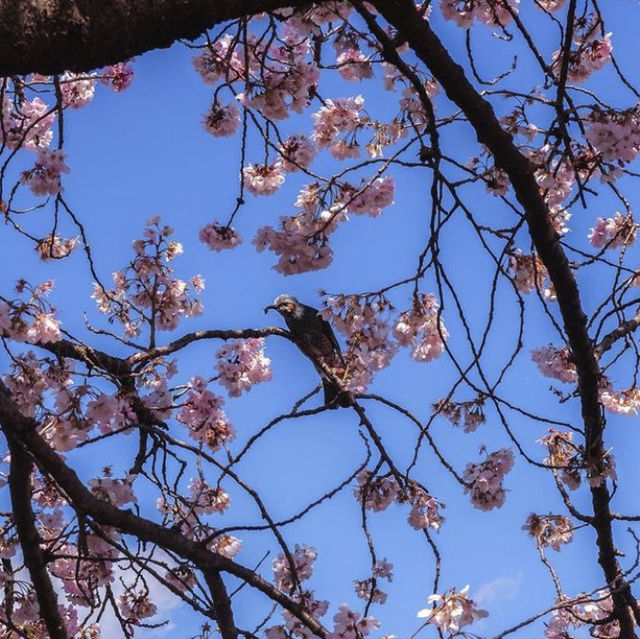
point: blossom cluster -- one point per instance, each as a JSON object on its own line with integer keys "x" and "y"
{"x": 451, "y": 611}
{"x": 590, "y": 55}
{"x": 555, "y": 363}
{"x": 529, "y": 274}
{"x": 491, "y": 12}
{"x": 594, "y": 609}
{"x": 28, "y": 125}
{"x": 378, "y": 493}
{"x": 615, "y": 135}
{"x": 33, "y": 320}
{"x": 368, "y": 588}
{"x": 202, "y": 413}
{"x": 44, "y": 177}
{"x": 146, "y": 292}
{"x": 422, "y": 328}
{"x": 549, "y": 530}
{"x": 287, "y": 576}
{"x": 218, "y": 237}
{"x": 485, "y": 479}
{"x": 614, "y": 232}
{"x": 470, "y": 413}
{"x": 242, "y": 363}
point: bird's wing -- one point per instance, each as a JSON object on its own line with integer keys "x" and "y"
{"x": 331, "y": 336}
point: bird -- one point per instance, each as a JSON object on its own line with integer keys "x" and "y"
{"x": 314, "y": 336}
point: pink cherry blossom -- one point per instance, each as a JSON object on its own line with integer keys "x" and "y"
{"x": 117, "y": 77}
{"x": 27, "y": 124}
{"x": 54, "y": 247}
{"x": 202, "y": 413}
{"x": 555, "y": 363}
{"x": 549, "y": 530}
{"x": 469, "y": 413}
{"x": 297, "y": 153}
{"x": 263, "y": 179}
{"x": 377, "y": 493}
{"x": 451, "y": 611}
{"x": 490, "y": 12}
{"x": 485, "y": 479}
{"x": 44, "y": 177}
{"x": 242, "y": 363}
{"x": 286, "y": 576}
{"x": 222, "y": 121}
{"x": 45, "y": 329}
{"x": 422, "y": 329}
{"x": 218, "y": 237}
{"x": 614, "y": 232}
{"x": 208, "y": 499}
{"x": 342, "y": 115}
{"x": 77, "y": 89}
{"x": 563, "y": 455}
{"x": 348, "y": 625}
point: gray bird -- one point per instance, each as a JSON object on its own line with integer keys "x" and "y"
{"x": 316, "y": 339}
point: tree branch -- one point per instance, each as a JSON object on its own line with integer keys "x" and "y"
{"x": 51, "y": 36}
{"x": 34, "y": 557}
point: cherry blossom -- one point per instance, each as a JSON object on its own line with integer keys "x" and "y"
{"x": 54, "y": 247}
{"x": 626, "y": 402}
{"x": 202, "y": 413}
{"x": 27, "y": 125}
{"x": 422, "y": 329}
{"x": 297, "y": 153}
{"x": 342, "y": 115}
{"x": 469, "y": 413}
{"x": 614, "y": 232}
{"x": 222, "y": 121}
{"x": 563, "y": 455}
{"x": 377, "y": 493}
{"x": 116, "y": 491}
{"x": 549, "y": 530}
{"x": 590, "y": 56}
{"x": 491, "y": 12}
{"x": 117, "y": 77}
{"x": 529, "y": 274}
{"x": 206, "y": 498}
{"x": 348, "y": 625}
{"x": 451, "y": 611}
{"x": 44, "y": 177}
{"x": 218, "y": 237}
{"x": 241, "y": 364}
{"x": 555, "y": 363}
{"x": 287, "y": 576}
{"x": 485, "y": 479}
{"x": 263, "y": 179}
{"x": 615, "y": 135}
{"x": 77, "y": 89}
{"x": 369, "y": 347}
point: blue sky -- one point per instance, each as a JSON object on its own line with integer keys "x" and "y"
{"x": 144, "y": 152}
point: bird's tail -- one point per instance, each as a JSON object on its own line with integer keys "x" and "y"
{"x": 334, "y": 397}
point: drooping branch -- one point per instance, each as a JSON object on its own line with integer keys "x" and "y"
{"x": 51, "y": 36}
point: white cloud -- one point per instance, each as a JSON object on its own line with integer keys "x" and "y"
{"x": 498, "y": 590}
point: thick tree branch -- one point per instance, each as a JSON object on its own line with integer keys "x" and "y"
{"x": 34, "y": 557}
{"x": 221, "y": 604}
{"x": 51, "y": 36}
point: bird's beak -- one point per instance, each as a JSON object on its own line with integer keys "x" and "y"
{"x": 270, "y": 307}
